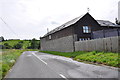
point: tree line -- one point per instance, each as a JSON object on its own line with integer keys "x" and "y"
{"x": 34, "y": 44}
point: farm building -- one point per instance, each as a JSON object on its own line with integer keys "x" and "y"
{"x": 105, "y": 33}
{"x": 63, "y": 37}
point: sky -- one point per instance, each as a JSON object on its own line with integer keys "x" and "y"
{"x": 27, "y": 19}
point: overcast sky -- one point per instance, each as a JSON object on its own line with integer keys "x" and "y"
{"x": 27, "y": 19}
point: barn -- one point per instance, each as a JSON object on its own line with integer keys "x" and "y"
{"x": 63, "y": 37}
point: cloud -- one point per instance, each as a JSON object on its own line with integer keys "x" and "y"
{"x": 54, "y": 23}
{"x": 31, "y": 18}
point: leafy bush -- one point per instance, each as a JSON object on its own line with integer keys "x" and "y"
{"x": 8, "y": 59}
{"x": 6, "y": 46}
{"x": 18, "y": 46}
{"x": 20, "y": 42}
{"x": 5, "y": 68}
{"x": 35, "y": 44}
{"x": 1, "y": 38}
{"x": 12, "y": 43}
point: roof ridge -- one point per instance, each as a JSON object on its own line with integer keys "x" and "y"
{"x": 68, "y": 23}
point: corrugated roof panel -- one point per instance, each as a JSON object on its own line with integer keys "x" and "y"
{"x": 67, "y": 24}
{"x": 64, "y": 25}
{"x": 105, "y": 23}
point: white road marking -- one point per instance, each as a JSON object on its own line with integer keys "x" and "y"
{"x": 63, "y": 76}
{"x": 29, "y": 55}
{"x": 23, "y": 53}
{"x": 39, "y": 58}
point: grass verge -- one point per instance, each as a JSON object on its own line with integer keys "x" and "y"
{"x": 106, "y": 58}
{"x": 7, "y": 60}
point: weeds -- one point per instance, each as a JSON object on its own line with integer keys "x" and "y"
{"x": 8, "y": 59}
{"x": 106, "y": 58}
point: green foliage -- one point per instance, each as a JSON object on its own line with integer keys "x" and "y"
{"x": 66, "y": 54}
{"x": 20, "y": 42}
{"x": 8, "y": 59}
{"x": 5, "y": 68}
{"x": 117, "y": 22}
{"x": 18, "y": 46}
{"x": 1, "y": 38}
{"x": 34, "y": 44}
{"x": 6, "y": 46}
{"x": 110, "y": 59}
{"x": 106, "y": 58}
{"x": 12, "y": 43}
{"x": 26, "y": 44}
{"x": 1, "y": 70}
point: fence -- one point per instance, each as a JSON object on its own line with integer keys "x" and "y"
{"x": 105, "y": 33}
{"x": 110, "y": 44}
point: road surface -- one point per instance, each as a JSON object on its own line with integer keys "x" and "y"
{"x": 33, "y": 64}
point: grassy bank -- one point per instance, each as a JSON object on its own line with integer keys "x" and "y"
{"x": 25, "y": 43}
{"x": 7, "y": 60}
{"x": 106, "y": 58}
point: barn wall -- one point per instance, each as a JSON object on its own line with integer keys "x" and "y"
{"x": 87, "y": 20}
{"x": 64, "y": 44}
{"x": 106, "y": 33}
{"x": 111, "y": 44}
{"x": 62, "y": 33}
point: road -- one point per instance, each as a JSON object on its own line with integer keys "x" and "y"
{"x": 33, "y": 64}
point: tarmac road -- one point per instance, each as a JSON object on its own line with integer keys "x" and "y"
{"x": 33, "y": 64}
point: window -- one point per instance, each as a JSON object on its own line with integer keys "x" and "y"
{"x": 49, "y": 36}
{"x": 82, "y": 39}
{"x": 86, "y": 29}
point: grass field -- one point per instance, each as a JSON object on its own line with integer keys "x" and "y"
{"x": 26, "y": 43}
{"x": 10, "y": 42}
{"x": 105, "y": 58}
{"x": 8, "y": 58}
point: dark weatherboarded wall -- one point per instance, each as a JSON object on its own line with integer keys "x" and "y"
{"x": 62, "y": 33}
{"x": 87, "y": 20}
{"x": 106, "y": 33}
{"x": 63, "y": 38}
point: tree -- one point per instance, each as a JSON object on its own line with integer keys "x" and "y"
{"x": 7, "y": 46}
{"x": 116, "y": 21}
{"x": 1, "y": 38}
{"x": 2, "y": 47}
{"x": 21, "y": 42}
{"x": 18, "y": 46}
{"x": 34, "y": 44}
